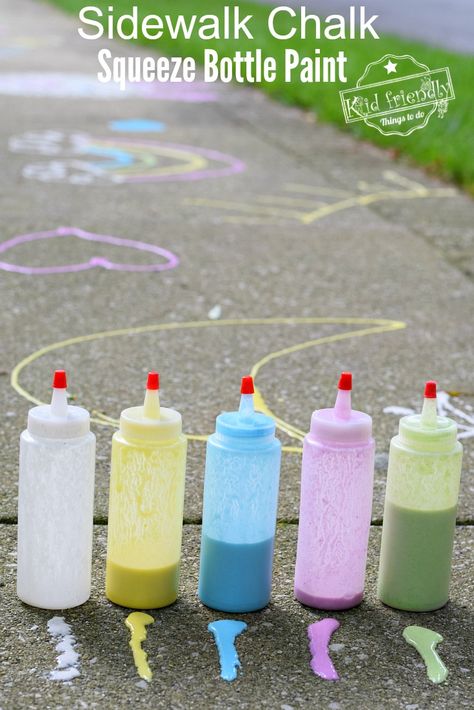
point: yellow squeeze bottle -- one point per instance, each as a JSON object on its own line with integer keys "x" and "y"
{"x": 146, "y": 505}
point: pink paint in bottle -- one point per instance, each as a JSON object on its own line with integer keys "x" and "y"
{"x": 336, "y": 505}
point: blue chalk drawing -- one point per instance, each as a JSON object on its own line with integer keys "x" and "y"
{"x": 116, "y": 158}
{"x": 225, "y": 632}
{"x": 137, "y": 125}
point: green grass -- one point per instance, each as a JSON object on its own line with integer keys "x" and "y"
{"x": 445, "y": 146}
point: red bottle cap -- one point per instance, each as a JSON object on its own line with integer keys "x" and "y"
{"x": 153, "y": 381}
{"x": 430, "y": 389}
{"x": 345, "y": 381}
{"x": 247, "y": 385}
{"x": 59, "y": 380}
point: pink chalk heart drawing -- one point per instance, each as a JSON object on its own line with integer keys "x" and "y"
{"x": 171, "y": 260}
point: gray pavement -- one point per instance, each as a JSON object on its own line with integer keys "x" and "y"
{"x": 377, "y": 668}
{"x": 317, "y": 226}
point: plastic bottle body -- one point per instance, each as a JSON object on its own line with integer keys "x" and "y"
{"x": 145, "y": 522}
{"x": 418, "y": 526}
{"x": 239, "y": 520}
{"x": 334, "y": 523}
{"x": 55, "y": 520}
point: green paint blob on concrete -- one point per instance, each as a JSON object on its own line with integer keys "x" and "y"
{"x": 425, "y": 642}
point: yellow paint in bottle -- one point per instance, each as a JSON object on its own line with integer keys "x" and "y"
{"x": 146, "y": 505}
{"x": 137, "y": 622}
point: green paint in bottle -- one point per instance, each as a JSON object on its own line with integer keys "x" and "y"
{"x": 424, "y": 472}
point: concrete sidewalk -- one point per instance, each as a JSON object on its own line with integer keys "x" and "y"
{"x": 376, "y": 666}
{"x": 288, "y": 233}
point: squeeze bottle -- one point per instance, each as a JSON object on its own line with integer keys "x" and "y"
{"x": 56, "y": 504}
{"x": 240, "y": 508}
{"x": 424, "y": 472}
{"x": 146, "y": 504}
{"x": 336, "y": 505}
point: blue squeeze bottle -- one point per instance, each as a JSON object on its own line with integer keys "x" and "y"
{"x": 240, "y": 508}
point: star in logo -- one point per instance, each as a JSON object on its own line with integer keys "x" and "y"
{"x": 391, "y": 67}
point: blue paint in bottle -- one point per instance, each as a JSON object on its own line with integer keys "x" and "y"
{"x": 240, "y": 507}
{"x": 246, "y": 570}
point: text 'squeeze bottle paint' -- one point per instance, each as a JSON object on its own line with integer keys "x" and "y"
{"x": 146, "y": 504}
{"x": 336, "y": 505}
{"x": 56, "y": 504}
{"x": 240, "y": 508}
{"x": 419, "y": 521}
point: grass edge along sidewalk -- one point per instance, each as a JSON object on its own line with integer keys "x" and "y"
{"x": 445, "y": 146}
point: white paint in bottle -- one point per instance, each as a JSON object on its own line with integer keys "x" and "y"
{"x": 56, "y": 504}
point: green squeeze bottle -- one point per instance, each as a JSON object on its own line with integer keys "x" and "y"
{"x": 424, "y": 472}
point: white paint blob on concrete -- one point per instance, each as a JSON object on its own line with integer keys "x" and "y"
{"x": 215, "y": 313}
{"x": 398, "y": 411}
{"x": 67, "y": 662}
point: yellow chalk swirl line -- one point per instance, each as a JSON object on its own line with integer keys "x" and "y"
{"x": 376, "y": 325}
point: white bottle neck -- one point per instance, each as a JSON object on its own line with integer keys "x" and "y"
{"x": 59, "y": 406}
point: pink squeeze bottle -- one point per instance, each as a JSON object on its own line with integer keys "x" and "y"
{"x": 336, "y": 505}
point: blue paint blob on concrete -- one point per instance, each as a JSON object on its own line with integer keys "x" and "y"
{"x": 225, "y": 632}
{"x": 137, "y": 125}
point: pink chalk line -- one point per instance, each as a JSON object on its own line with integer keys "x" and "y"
{"x": 171, "y": 262}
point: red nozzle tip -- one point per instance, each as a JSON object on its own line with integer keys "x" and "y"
{"x": 59, "y": 380}
{"x": 345, "y": 381}
{"x": 247, "y": 385}
{"x": 153, "y": 381}
{"x": 430, "y": 389}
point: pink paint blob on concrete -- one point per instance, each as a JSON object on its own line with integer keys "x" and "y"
{"x": 319, "y": 635}
{"x": 171, "y": 260}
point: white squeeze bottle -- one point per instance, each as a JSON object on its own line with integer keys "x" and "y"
{"x": 56, "y": 504}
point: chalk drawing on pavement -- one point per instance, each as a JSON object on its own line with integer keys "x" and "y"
{"x": 306, "y": 204}
{"x": 62, "y": 85}
{"x": 12, "y": 46}
{"x": 463, "y": 419}
{"x": 137, "y": 125}
{"x": 82, "y": 159}
{"x": 170, "y": 259}
{"x": 364, "y": 327}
